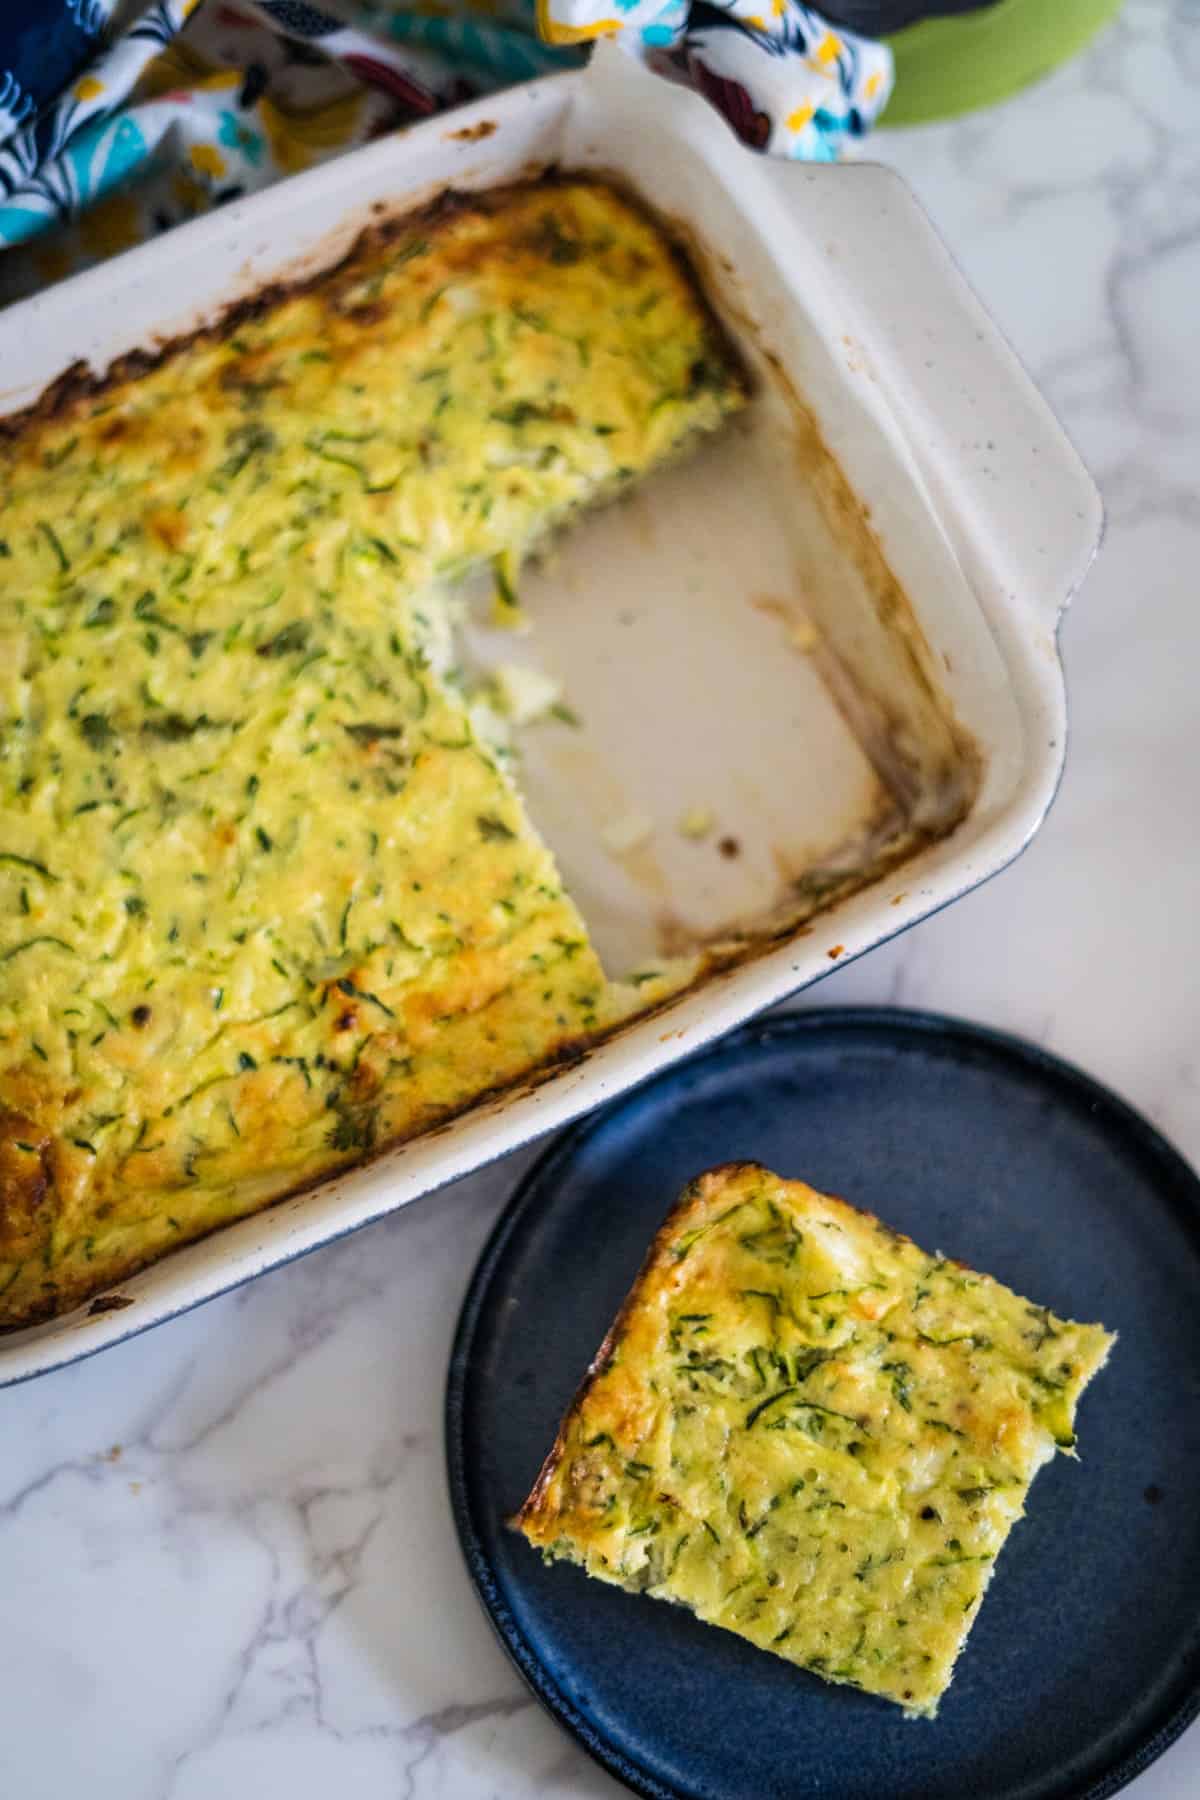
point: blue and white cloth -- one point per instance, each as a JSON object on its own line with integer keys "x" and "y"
{"x": 118, "y": 118}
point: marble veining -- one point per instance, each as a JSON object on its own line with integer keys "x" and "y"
{"x": 225, "y": 1548}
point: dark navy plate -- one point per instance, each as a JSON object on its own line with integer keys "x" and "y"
{"x": 1085, "y": 1662}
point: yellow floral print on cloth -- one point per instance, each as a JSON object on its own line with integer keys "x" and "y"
{"x": 119, "y": 119}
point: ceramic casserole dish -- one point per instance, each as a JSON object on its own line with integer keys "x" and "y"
{"x": 832, "y": 634}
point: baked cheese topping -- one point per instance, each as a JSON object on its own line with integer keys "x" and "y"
{"x": 267, "y": 899}
{"x": 812, "y": 1433}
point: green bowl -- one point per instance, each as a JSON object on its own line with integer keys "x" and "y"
{"x": 947, "y": 66}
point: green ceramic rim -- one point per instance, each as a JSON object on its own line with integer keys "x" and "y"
{"x": 949, "y": 66}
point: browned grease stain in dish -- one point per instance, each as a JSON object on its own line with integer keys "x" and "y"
{"x": 105, "y": 1303}
{"x": 473, "y": 134}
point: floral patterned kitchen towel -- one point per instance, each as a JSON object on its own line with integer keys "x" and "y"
{"x": 118, "y": 118}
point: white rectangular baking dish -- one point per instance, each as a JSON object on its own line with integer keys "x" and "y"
{"x": 838, "y": 289}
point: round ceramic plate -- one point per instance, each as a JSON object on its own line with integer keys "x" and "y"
{"x": 1085, "y": 1662}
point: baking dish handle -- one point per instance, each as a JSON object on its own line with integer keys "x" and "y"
{"x": 1008, "y": 485}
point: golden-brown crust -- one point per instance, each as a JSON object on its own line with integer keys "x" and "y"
{"x": 79, "y": 382}
{"x": 66, "y": 1295}
{"x": 693, "y": 1198}
{"x": 26, "y": 1184}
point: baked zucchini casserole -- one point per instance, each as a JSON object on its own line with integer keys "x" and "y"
{"x": 807, "y": 1430}
{"x": 270, "y": 899}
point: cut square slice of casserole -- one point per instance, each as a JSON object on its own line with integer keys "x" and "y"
{"x": 811, "y": 1432}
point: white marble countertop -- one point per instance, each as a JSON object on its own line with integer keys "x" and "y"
{"x": 226, "y": 1548}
